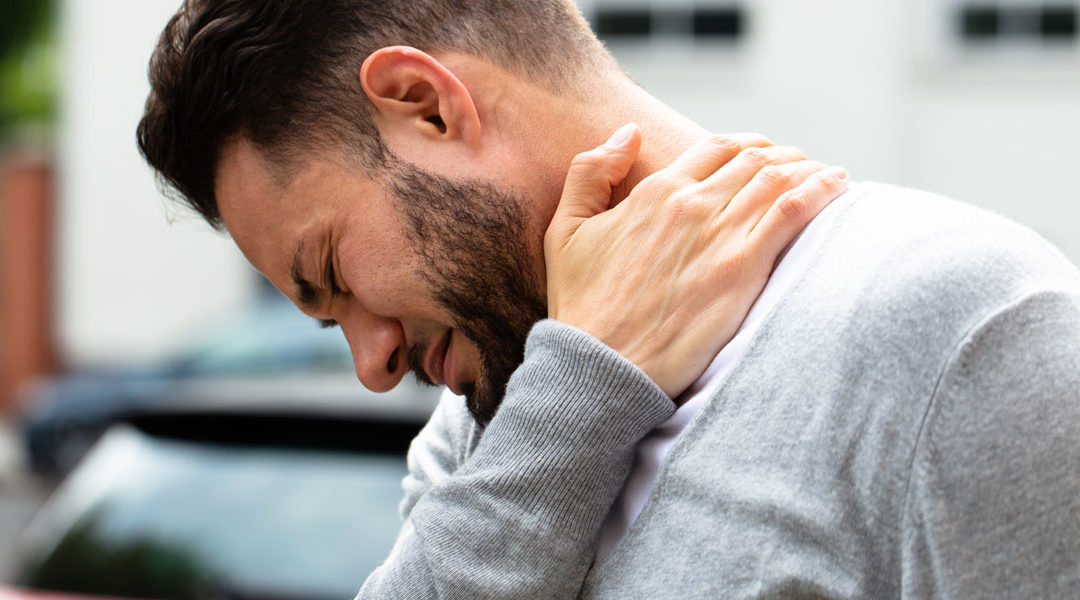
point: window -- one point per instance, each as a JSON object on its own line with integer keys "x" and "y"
{"x": 981, "y": 23}
{"x": 613, "y": 23}
{"x": 1059, "y": 22}
{"x": 706, "y": 23}
{"x": 718, "y": 23}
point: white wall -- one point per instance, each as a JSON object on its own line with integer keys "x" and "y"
{"x": 879, "y": 87}
{"x": 131, "y": 285}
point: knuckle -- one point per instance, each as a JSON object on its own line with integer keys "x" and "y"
{"x": 684, "y": 206}
{"x": 679, "y": 207}
{"x": 822, "y": 180}
{"x": 725, "y": 143}
{"x": 832, "y": 178}
{"x": 755, "y": 156}
{"x": 794, "y": 207}
{"x": 774, "y": 177}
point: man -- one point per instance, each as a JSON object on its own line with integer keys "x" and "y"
{"x": 896, "y": 416}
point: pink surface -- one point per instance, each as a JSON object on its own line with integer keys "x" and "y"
{"x": 9, "y": 593}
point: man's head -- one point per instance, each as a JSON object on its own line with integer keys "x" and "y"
{"x": 384, "y": 164}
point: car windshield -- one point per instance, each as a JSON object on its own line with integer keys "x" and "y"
{"x": 164, "y": 518}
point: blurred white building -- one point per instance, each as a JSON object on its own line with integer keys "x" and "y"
{"x": 979, "y": 100}
{"x": 136, "y": 275}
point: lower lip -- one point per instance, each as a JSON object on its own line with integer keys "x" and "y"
{"x": 448, "y": 366}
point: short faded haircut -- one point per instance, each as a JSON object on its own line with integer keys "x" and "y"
{"x": 284, "y": 74}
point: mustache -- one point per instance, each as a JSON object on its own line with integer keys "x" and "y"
{"x": 415, "y": 358}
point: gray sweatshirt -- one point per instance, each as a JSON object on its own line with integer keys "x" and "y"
{"x": 905, "y": 424}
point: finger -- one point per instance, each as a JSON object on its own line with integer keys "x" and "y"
{"x": 752, "y": 202}
{"x": 794, "y": 210}
{"x": 705, "y": 157}
{"x": 737, "y": 174}
{"x": 592, "y": 174}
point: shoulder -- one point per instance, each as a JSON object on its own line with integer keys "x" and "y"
{"x": 942, "y": 237}
{"x": 919, "y": 255}
{"x": 1014, "y": 376}
{"x": 991, "y": 309}
{"x": 994, "y": 488}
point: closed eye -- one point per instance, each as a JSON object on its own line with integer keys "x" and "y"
{"x": 331, "y": 277}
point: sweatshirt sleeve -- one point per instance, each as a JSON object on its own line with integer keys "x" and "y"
{"x": 993, "y": 504}
{"x": 445, "y": 442}
{"x": 520, "y": 517}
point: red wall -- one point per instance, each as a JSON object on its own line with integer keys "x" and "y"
{"x": 26, "y": 272}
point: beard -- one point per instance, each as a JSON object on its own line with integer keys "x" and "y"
{"x": 472, "y": 239}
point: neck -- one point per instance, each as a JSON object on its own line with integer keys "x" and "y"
{"x": 522, "y": 111}
{"x": 665, "y": 133}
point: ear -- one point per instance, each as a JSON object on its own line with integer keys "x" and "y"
{"x": 410, "y": 89}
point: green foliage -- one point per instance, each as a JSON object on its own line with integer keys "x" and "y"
{"x": 88, "y": 562}
{"x": 28, "y": 82}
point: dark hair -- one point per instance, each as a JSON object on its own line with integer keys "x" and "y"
{"x": 285, "y": 73}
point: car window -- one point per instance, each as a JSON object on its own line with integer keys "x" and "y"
{"x": 160, "y": 518}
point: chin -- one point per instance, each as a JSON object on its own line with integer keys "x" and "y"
{"x": 483, "y": 398}
{"x": 478, "y": 404}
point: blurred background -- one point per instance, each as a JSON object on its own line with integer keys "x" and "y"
{"x": 119, "y": 306}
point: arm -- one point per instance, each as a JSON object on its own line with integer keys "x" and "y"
{"x": 518, "y": 520}
{"x": 447, "y": 440}
{"x": 993, "y": 507}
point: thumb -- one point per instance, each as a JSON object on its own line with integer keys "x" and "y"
{"x": 592, "y": 174}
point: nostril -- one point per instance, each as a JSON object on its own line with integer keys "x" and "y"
{"x": 392, "y": 364}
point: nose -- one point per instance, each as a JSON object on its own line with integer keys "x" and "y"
{"x": 378, "y": 348}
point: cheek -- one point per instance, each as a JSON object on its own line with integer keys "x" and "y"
{"x": 371, "y": 279}
{"x": 380, "y": 271}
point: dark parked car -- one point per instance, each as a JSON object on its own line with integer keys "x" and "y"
{"x": 271, "y": 501}
{"x": 270, "y": 352}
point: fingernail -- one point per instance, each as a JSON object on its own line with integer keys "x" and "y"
{"x": 621, "y": 136}
{"x": 839, "y": 172}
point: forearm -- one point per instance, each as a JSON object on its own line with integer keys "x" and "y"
{"x": 519, "y": 519}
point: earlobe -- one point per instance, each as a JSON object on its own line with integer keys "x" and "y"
{"x": 413, "y": 92}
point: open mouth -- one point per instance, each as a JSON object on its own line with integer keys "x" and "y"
{"x": 436, "y": 361}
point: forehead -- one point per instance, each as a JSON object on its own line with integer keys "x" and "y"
{"x": 268, "y": 217}
{"x": 249, "y": 199}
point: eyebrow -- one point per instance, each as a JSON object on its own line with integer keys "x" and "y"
{"x": 305, "y": 291}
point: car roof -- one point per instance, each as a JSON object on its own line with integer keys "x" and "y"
{"x": 324, "y": 394}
